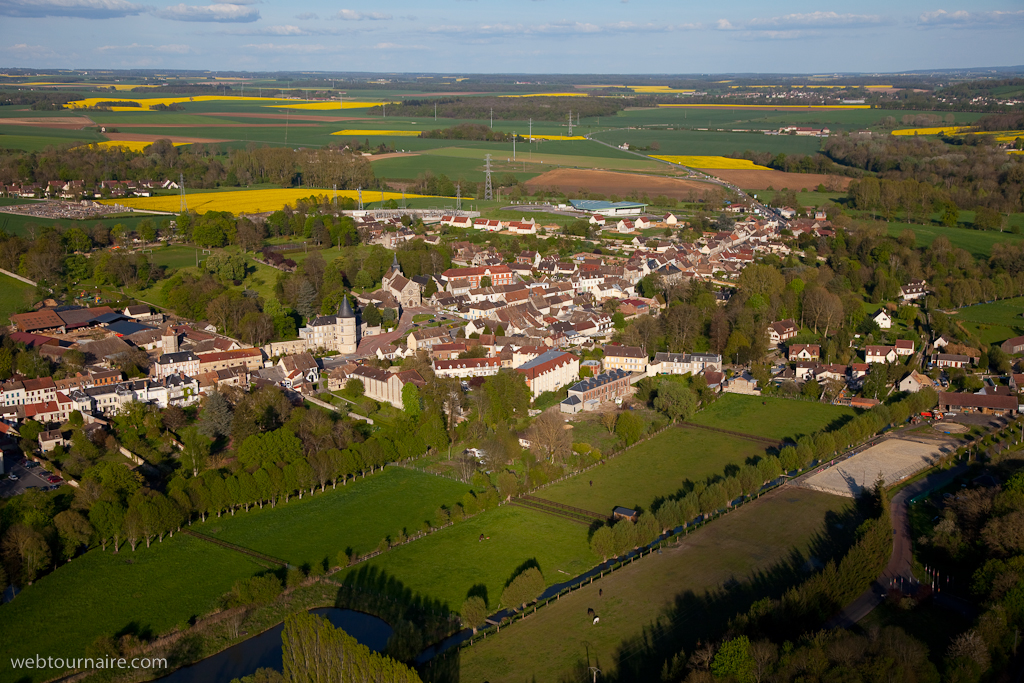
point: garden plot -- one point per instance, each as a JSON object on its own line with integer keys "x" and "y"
{"x": 893, "y": 459}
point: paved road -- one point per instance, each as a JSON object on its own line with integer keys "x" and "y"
{"x": 899, "y": 571}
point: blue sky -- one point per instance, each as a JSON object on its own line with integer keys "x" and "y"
{"x": 513, "y": 36}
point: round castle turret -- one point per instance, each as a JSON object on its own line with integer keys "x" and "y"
{"x": 348, "y": 328}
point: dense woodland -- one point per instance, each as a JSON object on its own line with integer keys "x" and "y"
{"x": 202, "y": 166}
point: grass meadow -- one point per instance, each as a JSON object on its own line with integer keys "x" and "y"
{"x": 148, "y": 591}
{"x": 995, "y": 322}
{"x": 774, "y": 418}
{"x": 977, "y": 242}
{"x": 357, "y": 515}
{"x": 17, "y": 296}
{"x": 449, "y": 564}
{"x": 766, "y": 543}
{"x": 654, "y": 468}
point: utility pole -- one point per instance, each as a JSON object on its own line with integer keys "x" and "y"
{"x": 488, "y": 194}
{"x": 183, "y": 203}
{"x": 492, "y": 118}
{"x": 458, "y": 197}
{"x": 594, "y": 670}
{"x": 359, "y": 192}
{"x": 435, "y": 110}
{"x": 513, "y": 145}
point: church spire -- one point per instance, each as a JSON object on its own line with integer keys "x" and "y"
{"x": 394, "y": 263}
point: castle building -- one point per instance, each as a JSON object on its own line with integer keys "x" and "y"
{"x": 333, "y": 332}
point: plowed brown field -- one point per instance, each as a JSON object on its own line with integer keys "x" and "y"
{"x": 762, "y": 180}
{"x": 608, "y": 183}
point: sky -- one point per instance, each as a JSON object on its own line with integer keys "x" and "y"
{"x": 514, "y": 36}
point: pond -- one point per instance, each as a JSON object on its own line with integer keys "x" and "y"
{"x": 264, "y": 650}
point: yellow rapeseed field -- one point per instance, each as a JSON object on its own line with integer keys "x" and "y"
{"x": 247, "y": 201}
{"x": 657, "y": 89}
{"x": 147, "y": 102}
{"x": 712, "y": 162}
{"x": 369, "y": 132}
{"x": 937, "y": 130}
{"x": 130, "y": 145}
{"x": 555, "y": 137}
{"x": 327, "y": 106}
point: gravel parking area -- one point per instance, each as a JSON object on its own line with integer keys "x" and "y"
{"x": 895, "y": 459}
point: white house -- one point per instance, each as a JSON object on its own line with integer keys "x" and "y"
{"x": 882, "y": 319}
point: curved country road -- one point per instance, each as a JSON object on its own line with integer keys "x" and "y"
{"x": 901, "y": 562}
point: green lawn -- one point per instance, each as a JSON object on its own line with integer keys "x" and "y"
{"x": 358, "y": 515}
{"x": 447, "y": 565}
{"x": 709, "y": 142}
{"x": 775, "y": 418}
{"x": 655, "y": 468}
{"x": 17, "y": 295}
{"x": 759, "y": 543}
{"x": 102, "y": 594}
{"x": 978, "y": 243}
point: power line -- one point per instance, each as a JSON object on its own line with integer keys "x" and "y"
{"x": 487, "y": 172}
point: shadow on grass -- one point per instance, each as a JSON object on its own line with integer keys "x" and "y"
{"x": 693, "y": 618}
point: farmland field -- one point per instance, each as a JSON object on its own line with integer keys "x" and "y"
{"x": 711, "y": 143}
{"x": 775, "y": 418}
{"x": 711, "y": 162}
{"x": 771, "y": 537}
{"x": 102, "y": 594}
{"x": 17, "y": 296}
{"x": 604, "y": 182}
{"x": 252, "y": 201}
{"x": 448, "y": 564}
{"x": 762, "y": 180}
{"x": 655, "y": 468}
{"x": 22, "y": 225}
{"x": 357, "y": 515}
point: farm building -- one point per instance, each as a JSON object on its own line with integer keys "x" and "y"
{"x": 608, "y": 208}
{"x": 1010, "y": 346}
{"x": 989, "y": 405}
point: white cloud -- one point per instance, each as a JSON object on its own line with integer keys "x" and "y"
{"x": 173, "y": 49}
{"x": 26, "y": 51}
{"x": 221, "y": 12}
{"x": 562, "y": 28}
{"x": 296, "y": 49}
{"x": 964, "y": 18}
{"x": 396, "y": 46}
{"x": 353, "y": 15}
{"x": 792, "y": 22}
{"x": 307, "y": 16}
{"x": 83, "y": 9}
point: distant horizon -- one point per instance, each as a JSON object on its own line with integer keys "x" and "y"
{"x": 539, "y": 37}
{"x": 1008, "y": 70}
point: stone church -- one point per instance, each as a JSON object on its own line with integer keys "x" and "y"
{"x": 405, "y": 291}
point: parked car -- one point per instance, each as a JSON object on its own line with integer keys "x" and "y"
{"x": 31, "y": 463}
{"x": 13, "y": 477}
{"x": 54, "y": 479}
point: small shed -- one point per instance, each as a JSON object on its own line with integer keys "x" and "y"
{"x": 50, "y": 440}
{"x": 625, "y": 513}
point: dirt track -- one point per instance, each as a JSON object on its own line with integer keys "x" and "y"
{"x": 609, "y": 182}
{"x": 761, "y": 180}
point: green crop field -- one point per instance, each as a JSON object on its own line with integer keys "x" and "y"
{"x": 655, "y": 468}
{"x": 148, "y": 591}
{"x": 358, "y": 515}
{"x": 448, "y": 564}
{"x": 22, "y": 225}
{"x": 775, "y": 418}
{"x": 17, "y": 296}
{"x": 767, "y": 542}
{"x": 759, "y": 119}
{"x": 21, "y": 137}
{"x": 712, "y": 143}
{"x": 977, "y": 242}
